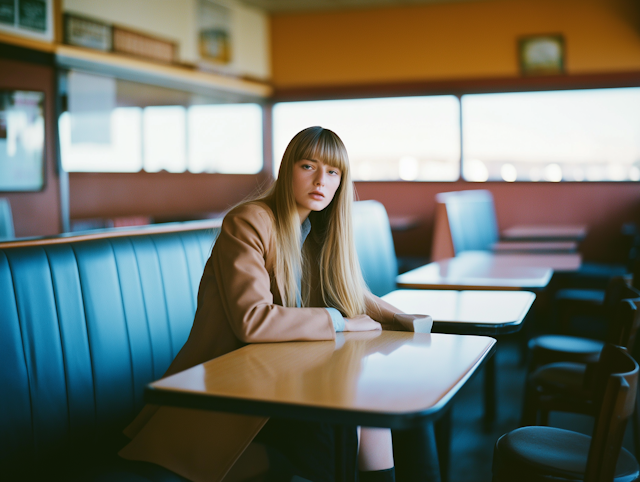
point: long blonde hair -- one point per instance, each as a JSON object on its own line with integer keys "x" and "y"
{"x": 341, "y": 281}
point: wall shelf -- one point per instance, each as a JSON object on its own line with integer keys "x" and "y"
{"x": 169, "y": 76}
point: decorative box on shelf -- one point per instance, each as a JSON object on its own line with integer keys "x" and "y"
{"x": 130, "y": 42}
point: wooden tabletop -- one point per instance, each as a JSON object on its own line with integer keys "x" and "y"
{"x": 546, "y": 232}
{"x": 477, "y": 270}
{"x": 467, "y": 312}
{"x": 377, "y": 379}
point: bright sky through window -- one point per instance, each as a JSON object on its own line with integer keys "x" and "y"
{"x": 580, "y": 135}
{"x": 402, "y": 138}
{"x": 225, "y": 138}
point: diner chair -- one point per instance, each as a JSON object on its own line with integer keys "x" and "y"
{"x": 575, "y": 307}
{"x": 531, "y": 454}
{"x": 6, "y": 220}
{"x": 552, "y": 348}
{"x": 566, "y": 386}
{"x": 595, "y": 275}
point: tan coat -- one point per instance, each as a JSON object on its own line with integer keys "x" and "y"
{"x": 239, "y": 302}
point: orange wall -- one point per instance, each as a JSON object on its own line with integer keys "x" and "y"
{"x": 449, "y": 41}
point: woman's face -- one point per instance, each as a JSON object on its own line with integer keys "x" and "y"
{"x": 314, "y": 185}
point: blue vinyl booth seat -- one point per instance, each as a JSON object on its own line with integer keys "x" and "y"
{"x": 85, "y": 324}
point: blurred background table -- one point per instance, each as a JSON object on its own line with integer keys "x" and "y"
{"x": 477, "y": 270}
{"x": 467, "y": 312}
{"x": 546, "y": 233}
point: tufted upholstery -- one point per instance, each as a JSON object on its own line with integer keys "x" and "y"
{"x": 84, "y": 325}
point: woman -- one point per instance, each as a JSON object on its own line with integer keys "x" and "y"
{"x": 284, "y": 268}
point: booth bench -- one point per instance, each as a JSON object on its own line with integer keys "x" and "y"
{"x": 85, "y": 323}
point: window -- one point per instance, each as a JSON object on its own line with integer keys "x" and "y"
{"x": 579, "y": 135}
{"x": 402, "y": 138}
{"x": 223, "y": 138}
{"x": 113, "y": 125}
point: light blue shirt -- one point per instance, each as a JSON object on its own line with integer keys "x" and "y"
{"x": 336, "y": 317}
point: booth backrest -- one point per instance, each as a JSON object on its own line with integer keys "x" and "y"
{"x": 85, "y": 323}
{"x": 471, "y": 219}
{"x": 374, "y": 245}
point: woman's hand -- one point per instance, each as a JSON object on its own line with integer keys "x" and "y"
{"x": 361, "y": 323}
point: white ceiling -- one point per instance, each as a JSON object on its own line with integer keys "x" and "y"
{"x": 307, "y": 5}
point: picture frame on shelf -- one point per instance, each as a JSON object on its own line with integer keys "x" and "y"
{"x": 27, "y": 18}
{"x": 138, "y": 44}
{"x": 86, "y": 32}
{"x": 214, "y": 32}
{"x": 542, "y": 54}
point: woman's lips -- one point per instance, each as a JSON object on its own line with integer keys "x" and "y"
{"x": 317, "y": 196}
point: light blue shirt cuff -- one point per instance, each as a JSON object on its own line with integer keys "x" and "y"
{"x": 338, "y": 321}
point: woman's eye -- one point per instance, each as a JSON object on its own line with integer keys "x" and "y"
{"x": 334, "y": 172}
{"x": 306, "y": 166}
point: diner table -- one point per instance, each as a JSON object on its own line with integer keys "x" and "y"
{"x": 545, "y": 232}
{"x": 467, "y": 312}
{"x": 388, "y": 379}
{"x": 534, "y": 247}
{"x": 399, "y": 380}
{"x": 566, "y": 262}
{"x": 480, "y": 270}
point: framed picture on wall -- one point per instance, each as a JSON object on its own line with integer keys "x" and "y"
{"x": 21, "y": 140}
{"x": 27, "y": 18}
{"x": 541, "y": 54}
{"x": 214, "y": 32}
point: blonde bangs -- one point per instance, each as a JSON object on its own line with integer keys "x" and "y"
{"x": 328, "y": 149}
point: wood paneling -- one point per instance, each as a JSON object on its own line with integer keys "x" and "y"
{"x": 164, "y": 195}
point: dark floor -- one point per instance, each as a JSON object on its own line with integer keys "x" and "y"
{"x": 471, "y": 446}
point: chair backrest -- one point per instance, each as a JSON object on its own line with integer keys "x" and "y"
{"x": 618, "y": 289}
{"x": 624, "y": 323}
{"x": 374, "y": 245}
{"x": 623, "y": 319}
{"x": 635, "y": 272}
{"x": 6, "y": 220}
{"x": 472, "y": 219}
{"x": 616, "y": 378}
